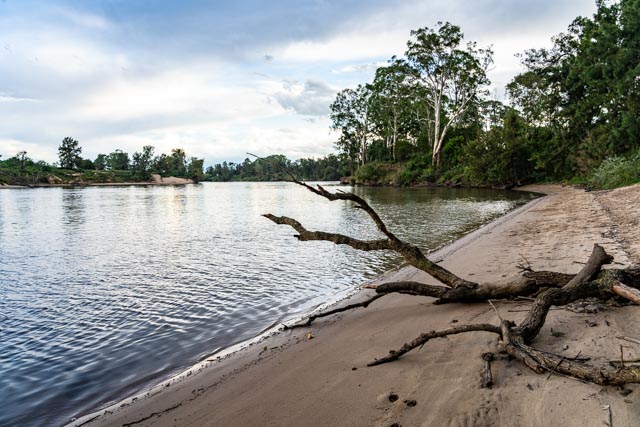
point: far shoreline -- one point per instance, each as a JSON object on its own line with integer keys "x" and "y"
{"x": 156, "y": 180}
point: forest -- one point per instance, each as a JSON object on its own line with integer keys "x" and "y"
{"x": 572, "y": 115}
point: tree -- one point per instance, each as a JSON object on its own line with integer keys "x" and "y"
{"x": 118, "y": 160}
{"x": 86, "y": 164}
{"x": 178, "y": 162}
{"x": 100, "y": 162}
{"x": 584, "y": 91}
{"x": 194, "y": 169}
{"x": 350, "y": 114}
{"x": 142, "y": 162}
{"x": 390, "y": 103}
{"x": 69, "y": 153}
{"x": 515, "y": 339}
{"x": 22, "y": 159}
{"x": 453, "y": 77}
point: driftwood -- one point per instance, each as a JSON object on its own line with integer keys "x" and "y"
{"x": 548, "y": 289}
{"x": 487, "y": 377}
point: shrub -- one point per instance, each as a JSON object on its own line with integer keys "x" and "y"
{"x": 616, "y": 172}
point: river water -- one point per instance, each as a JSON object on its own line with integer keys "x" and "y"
{"x": 107, "y": 290}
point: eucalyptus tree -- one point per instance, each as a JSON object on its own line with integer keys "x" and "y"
{"x": 391, "y": 104}
{"x": 350, "y": 113}
{"x": 22, "y": 159}
{"x": 454, "y": 76}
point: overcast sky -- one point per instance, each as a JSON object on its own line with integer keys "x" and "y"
{"x": 222, "y": 78}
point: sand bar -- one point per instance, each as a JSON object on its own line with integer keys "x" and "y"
{"x": 324, "y": 380}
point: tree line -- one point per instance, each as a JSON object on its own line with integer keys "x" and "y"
{"x": 141, "y": 164}
{"x": 274, "y": 167}
{"x": 117, "y": 165}
{"x": 576, "y": 105}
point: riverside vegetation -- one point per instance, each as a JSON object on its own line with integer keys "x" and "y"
{"x": 116, "y": 167}
{"x": 428, "y": 118}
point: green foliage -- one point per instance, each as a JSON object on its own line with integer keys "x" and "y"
{"x": 453, "y": 77}
{"x": 194, "y": 169}
{"x": 118, "y": 160}
{"x": 417, "y": 170}
{"x": 378, "y": 173}
{"x": 142, "y": 161}
{"x": 350, "y": 114}
{"x": 112, "y": 168}
{"x": 616, "y": 171}
{"x": 330, "y": 168}
{"x": 69, "y": 153}
{"x": 584, "y": 92}
{"x": 100, "y": 163}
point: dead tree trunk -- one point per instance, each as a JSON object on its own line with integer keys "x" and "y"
{"x": 550, "y": 289}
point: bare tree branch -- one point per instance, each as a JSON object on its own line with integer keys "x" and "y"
{"x": 424, "y": 338}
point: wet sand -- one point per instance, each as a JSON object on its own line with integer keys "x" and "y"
{"x": 294, "y": 380}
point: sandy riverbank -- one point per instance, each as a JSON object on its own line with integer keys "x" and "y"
{"x": 301, "y": 382}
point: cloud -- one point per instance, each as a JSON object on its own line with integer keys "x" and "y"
{"x": 82, "y": 19}
{"x": 13, "y": 99}
{"x": 312, "y": 98}
{"x": 360, "y": 68}
{"x": 222, "y": 78}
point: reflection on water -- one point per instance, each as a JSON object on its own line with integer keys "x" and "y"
{"x": 106, "y": 290}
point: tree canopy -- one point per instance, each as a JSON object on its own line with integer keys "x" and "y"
{"x": 576, "y": 105}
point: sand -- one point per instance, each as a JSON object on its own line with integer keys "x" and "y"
{"x": 324, "y": 381}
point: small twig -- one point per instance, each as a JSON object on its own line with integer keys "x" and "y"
{"x": 621, "y": 358}
{"x": 553, "y": 371}
{"x": 363, "y": 304}
{"x": 487, "y": 381}
{"x": 566, "y": 376}
{"x": 608, "y": 408}
{"x": 577, "y": 358}
{"x": 528, "y": 310}
{"x": 496, "y": 310}
{"x": 524, "y": 266}
{"x": 633, "y": 340}
{"x": 618, "y": 363}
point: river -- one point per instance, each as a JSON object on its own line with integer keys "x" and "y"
{"x": 107, "y": 290}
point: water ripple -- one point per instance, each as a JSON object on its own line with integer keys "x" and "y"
{"x": 104, "y": 291}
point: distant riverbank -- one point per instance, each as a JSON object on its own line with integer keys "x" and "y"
{"x": 155, "y": 180}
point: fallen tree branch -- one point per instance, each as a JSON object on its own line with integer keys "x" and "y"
{"x": 551, "y": 289}
{"x": 424, "y": 338}
{"x": 363, "y": 304}
{"x": 411, "y": 253}
{"x": 627, "y": 292}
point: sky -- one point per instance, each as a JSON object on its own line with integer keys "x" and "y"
{"x": 223, "y": 78}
